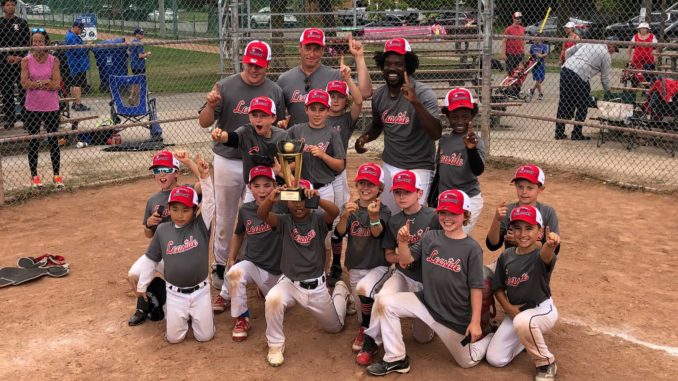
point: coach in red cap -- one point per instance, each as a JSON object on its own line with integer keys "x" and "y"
{"x": 406, "y": 111}
{"x": 312, "y": 74}
{"x": 228, "y": 104}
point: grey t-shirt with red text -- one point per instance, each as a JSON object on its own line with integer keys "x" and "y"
{"x": 451, "y": 268}
{"x": 303, "y": 246}
{"x": 315, "y": 169}
{"x": 363, "y": 251}
{"x": 251, "y": 145}
{"x": 185, "y": 251}
{"x": 264, "y": 245}
{"x": 420, "y": 223}
{"x": 293, "y": 84}
{"x": 233, "y": 111}
{"x": 455, "y": 169}
{"x": 525, "y": 277}
{"x": 406, "y": 145}
{"x": 345, "y": 125}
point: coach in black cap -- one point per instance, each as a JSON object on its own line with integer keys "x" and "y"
{"x": 14, "y": 32}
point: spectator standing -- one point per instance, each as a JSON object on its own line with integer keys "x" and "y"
{"x": 583, "y": 62}
{"x": 78, "y": 64}
{"x": 137, "y": 55}
{"x": 571, "y": 34}
{"x": 41, "y": 78}
{"x": 642, "y": 57}
{"x": 513, "y": 50}
{"x": 14, "y": 33}
{"x": 539, "y": 50}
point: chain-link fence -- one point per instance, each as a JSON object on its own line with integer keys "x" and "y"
{"x": 111, "y": 127}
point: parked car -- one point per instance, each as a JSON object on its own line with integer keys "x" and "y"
{"x": 552, "y": 28}
{"x": 39, "y": 9}
{"x": 625, "y": 30}
{"x": 155, "y": 15}
{"x": 262, "y": 19}
{"x": 361, "y": 16}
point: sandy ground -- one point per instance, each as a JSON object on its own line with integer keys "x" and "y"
{"x": 612, "y": 285}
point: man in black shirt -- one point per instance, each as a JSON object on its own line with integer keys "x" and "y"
{"x": 14, "y": 32}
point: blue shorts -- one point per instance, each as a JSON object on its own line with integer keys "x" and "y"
{"x": 539, "y": 73}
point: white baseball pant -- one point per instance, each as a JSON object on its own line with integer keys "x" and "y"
{"x": 238, "y": 276}
{"x": 329, "y": 311}
{"x": 366, "y": 282}
{"x": 477, "y": 203}
{"x": 141, "y": 263}
{"x": 389, "y": 309}
{"x": 425, "y": 176}
{"x": 196, "y": 305}
{"x": 249, "y": 197}
{"x": 342, "y": 193}
{"x": 399, "y": 282}
{"x": 228, "y": 191}
{"x": 526, "y": 331}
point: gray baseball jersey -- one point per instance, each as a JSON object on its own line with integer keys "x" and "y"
{"x": 263, "y": 242}
{"x": 252, "y": 145}
{"x": 548, "y": 214}
{"x": 451, "y": 268}
{"x": 296, "y": 85}
{"x": 185, "y": 251}
{"x": 455, "y": 169}
{"x": 420, "y": 223}
{"x": 157, "y": 199}
{"x": 233, "y": 110}
{"x": 406, "y": 145}
{"x": 314, "y": 169}
{"x": 303, "y": 246}
{"x": 363, "y": 251}
{"x": 345, "y": 125}
{"x": 525, "y": 277}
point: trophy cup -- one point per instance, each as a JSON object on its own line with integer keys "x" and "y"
{"x": 291, "y": 151}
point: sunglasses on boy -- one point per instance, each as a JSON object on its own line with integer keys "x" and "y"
{"x": 38, "y": 30}
{"x": 165, "y": 170}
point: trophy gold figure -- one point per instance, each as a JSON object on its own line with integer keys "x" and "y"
{"x": 291, "y": 152}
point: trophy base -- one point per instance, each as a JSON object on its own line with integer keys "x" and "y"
{"x": 290, "y": 195}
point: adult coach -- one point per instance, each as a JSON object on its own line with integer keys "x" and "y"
{"x": 312, "y": 74}
{"x": 228, "y": 105}
{"x": 78, "y": 64}
{"x": 513, "y": 50}
{"x": 406, "y": 111}
{"x": 14, "y": 33}
{"x": 583, "y": 61}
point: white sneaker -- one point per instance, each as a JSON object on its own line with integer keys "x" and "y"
{"x": 275, "y": 356}
{"x": 546, "y": 372}
{"x": 81, "y": 145}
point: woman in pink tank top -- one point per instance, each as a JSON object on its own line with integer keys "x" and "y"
{"x": 41, "y": 79}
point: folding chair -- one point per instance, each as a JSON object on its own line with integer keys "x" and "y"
{"x": 130, "y": 103}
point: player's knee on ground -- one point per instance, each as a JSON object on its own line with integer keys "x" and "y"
{"x": 204, "y": 336}
{"x": 176, "y": 337}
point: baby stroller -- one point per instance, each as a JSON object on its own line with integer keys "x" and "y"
{"x": 633, "y": 77}
{"x": 660, "y": 106}
{"x": 512, "y": 85}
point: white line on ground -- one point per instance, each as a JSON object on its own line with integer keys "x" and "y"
{"x": 673, "y": 351}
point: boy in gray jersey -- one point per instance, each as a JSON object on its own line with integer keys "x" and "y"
{"x": 303, "y": 233}
{"x": 522, "y": 286}
{"x": 406, "y": 111}
{"x": 312, "y": 74}
{"x": 227, "y": 105}
{"x": 183, "y": 244}
{"x": 451, "y": 300}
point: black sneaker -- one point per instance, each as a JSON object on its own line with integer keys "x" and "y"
{"x": 561, "y": 136}
{"x": 334, "y": 276}
{"x": 546, "y": 372}
{"x": 580, "y": 137}
{"x": 80, "y": 107}
{"x": 136, "y": 319}
{"x": 383, "y": 368}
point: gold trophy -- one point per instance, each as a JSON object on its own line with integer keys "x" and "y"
{"x": 291, "y": 151}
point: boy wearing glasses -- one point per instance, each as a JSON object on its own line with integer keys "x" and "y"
{"x": 14, "y": 33}
{"x": 165, "y": 168}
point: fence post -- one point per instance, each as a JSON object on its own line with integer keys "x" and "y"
{"x": 2, "y": 185}
{"x": 486, "y": 89}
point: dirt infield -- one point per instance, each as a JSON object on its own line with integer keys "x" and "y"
{"x": 613, "y": 286}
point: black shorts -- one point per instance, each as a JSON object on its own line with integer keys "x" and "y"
{"x": 79, "y": 80}
{"x": 138, "y": 71}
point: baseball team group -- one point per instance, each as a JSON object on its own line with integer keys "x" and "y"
{"x": 402, "y": 235}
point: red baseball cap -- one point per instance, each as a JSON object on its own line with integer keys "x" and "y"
{"x": 531, "y": 173}
{"x": 305, "y": 184}
{"x": 261, "y": 170}
{"x": 453, "y": 201}
{"x": 257, "y": 53}
{"x": 312, "y": 36}
{"x": 397, "y": 45}
{"x": 527, "y": 213}
{"x": 370, "y": 172}
{"x": 264, "y": 104}
{"x": 164, "y": 159}
{"x": 407, "y": 181}
{"x": 338, "y": 86}
{"x": 460, "y": 97}
{"x": 185, "y": 195}
{"x": 318, "y": 96}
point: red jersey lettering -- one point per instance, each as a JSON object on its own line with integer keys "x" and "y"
{"x": 454, "y": 159}
{"x": 189, "y": 243}
{"x": 400, "y": 118}
{"x": 240, "y": 108}
{"x": 250, "y": 228}
{"x": 450, "y": 264}
{"x": 302, "y": 239}
{"x": 298, "y": 97}
{"x": 514, "y": 281}
{"x": 358, "y": 230}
